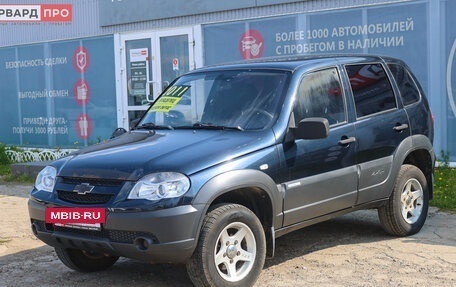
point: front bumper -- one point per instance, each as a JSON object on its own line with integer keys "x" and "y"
{"x": 163, "y": 236}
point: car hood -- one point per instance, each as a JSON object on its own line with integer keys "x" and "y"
{"x": 137, "y": 153}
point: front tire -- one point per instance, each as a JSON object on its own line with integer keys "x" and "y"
{"x": 231, "y": 248}
{"x": 407, "y": 208}
{"x": 84, "y": 261}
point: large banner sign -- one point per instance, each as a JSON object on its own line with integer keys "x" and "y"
{"x": 395, "y": 30}
{"x": 400, "y": 30}
{"x": 58, "y": 94}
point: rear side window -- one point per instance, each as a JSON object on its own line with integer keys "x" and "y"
{"x": 409, "y": 91}
{"x": 320, "y": 95}
{"x": 371, "y": 89}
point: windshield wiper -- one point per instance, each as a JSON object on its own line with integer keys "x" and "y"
{"x": 215, "y": 127}
{"x": 152, "y": 126}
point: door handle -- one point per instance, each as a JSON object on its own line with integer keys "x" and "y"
{"x": 345, "y": 140}
{"x": 400, "y": 127}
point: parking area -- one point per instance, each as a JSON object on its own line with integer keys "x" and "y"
{"x": 352, "y": 250}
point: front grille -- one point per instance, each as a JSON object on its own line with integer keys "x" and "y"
{"x": 118, "y": 236}
{"x": 87, "y": 233}
{"x": 88, "y": 198}
{"x": 100, "y": 191}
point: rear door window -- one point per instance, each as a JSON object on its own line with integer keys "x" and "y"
{"x": 371, "y": 89}
{"x": 407, "y": 87}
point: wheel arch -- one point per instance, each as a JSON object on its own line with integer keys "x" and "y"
{"x": 422, "y": 159}
{"x": 417, "y": 150}
{"x": 250, "y": 188}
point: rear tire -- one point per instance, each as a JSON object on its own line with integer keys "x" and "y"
{"x": 84, "y": 261}
{"x": 407, "y": 208}
{"x": 231, "y": 249}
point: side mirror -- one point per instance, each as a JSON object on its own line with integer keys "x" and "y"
{"x": 117, "y": 132}
{"x": 134, "y": 122}
{"x": 311, "y": 129}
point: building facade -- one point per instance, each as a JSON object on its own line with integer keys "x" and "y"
{"x": 69, "y": 81}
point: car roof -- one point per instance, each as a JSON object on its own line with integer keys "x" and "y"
{"x": 291, "y": 63}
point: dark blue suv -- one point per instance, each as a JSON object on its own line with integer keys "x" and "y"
{"x": 231, "y": 157}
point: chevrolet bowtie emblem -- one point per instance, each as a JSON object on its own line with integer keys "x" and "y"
{"x": 83, "y": 188}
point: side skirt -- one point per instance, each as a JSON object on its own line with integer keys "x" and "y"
{"x": 370, "y": 205}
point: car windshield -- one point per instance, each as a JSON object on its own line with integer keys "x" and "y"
{"x": 234, "y": 99}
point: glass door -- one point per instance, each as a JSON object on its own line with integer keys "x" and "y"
{"x": 137, "y": 74}
{"x": 174, "y": 57}
{"x": 150, "y": 62}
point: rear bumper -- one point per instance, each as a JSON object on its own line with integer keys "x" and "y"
{"x": 163, "y": 236}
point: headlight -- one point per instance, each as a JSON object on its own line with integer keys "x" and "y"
{"x": 46, "y": 179}
{"x": 156, "y": 186}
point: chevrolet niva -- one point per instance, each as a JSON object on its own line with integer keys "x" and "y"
{"x": 256, "y": 150}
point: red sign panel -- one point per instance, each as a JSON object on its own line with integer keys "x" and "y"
{"x": 81, "y": 92}
{"x": 251, "y": 44}
{"x": 56, "y": 13}
{"x": 81, "y": 59}
{"x": 83, "y": 126}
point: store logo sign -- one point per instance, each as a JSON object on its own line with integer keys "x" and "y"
{"x": 36, "y": 13}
